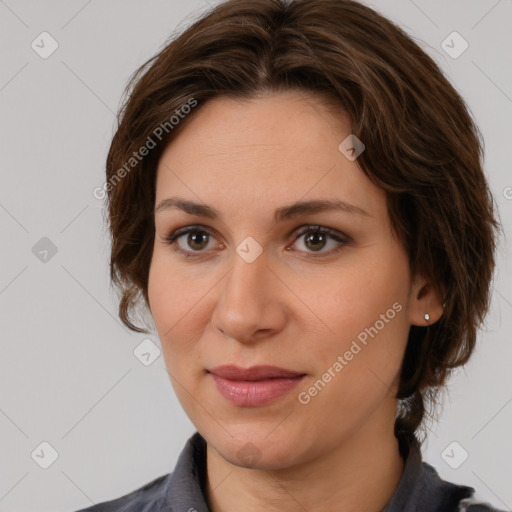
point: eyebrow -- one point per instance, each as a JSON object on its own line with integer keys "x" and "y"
{"x": 283, "y": 213}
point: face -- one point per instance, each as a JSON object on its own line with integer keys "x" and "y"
{"x": 323, "y": 292}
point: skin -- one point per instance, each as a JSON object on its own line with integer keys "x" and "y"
{"x": 286, "y": 308}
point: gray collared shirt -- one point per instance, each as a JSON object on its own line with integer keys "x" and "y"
{"x": 420, "y": 489}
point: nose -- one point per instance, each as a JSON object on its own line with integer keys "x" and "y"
{"x": 251, "y": 301}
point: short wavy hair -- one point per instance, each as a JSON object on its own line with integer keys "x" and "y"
{"x": 422, "y": 148}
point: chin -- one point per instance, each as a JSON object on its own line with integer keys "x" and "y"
{"x": 257, "y": 451}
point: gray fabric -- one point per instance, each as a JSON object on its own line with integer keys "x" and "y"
{"x": 419, "y": 490}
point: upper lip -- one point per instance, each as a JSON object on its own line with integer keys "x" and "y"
{"x": 253, "y": 373}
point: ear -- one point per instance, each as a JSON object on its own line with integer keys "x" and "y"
{"x": 424, "y": 299}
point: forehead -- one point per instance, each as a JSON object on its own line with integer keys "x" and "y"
{"x": 226, "y": 129}
{"x": 262, "y": 153}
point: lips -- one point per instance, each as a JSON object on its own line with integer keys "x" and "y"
{"x": 253, "y": 373}
{"x": 255, "y": 386}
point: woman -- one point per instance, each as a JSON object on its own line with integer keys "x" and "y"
{"x": 296, "y": 194}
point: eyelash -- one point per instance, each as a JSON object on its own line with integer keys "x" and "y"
{"x": 343, "y": 240}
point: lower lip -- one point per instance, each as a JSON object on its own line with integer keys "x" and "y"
{"x": 253, "y": 393}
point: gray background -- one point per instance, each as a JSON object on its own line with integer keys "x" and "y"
{"x": 68, "y": 372}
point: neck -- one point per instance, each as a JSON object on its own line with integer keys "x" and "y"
{"x": 360, "y": 474}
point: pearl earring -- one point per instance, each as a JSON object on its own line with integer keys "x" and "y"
{"x": 427, "y": 317}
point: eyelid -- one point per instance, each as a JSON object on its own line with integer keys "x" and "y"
{"x": 306, "y": 228}
{"x": 185, "y": 230}
{"x": 340, "y": 238}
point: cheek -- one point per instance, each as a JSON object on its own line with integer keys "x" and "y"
{"x": 170, "y": 297}
{"x": 366, "y": 287}
{"x": 175, "y": 308}
{"x": 167, "y": 307}
{"x": 367, "y": 315}
{"x": 160, "y": 286}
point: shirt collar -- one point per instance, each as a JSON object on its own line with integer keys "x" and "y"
{"x": 420, "y": 488}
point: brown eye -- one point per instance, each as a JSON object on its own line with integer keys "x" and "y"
{"x": 316, "y": 241}
{"x": 318, "y": 237}
{"x": 193, "y": 244}
{"x": 197, "y": 239}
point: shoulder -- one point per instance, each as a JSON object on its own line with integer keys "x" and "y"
{"x": 462, "y": 498}
{"x": 475, "y": 504}
{"x": 180, "y": 490}
{"x": 422, "y": 489}
{"x": 150, "y": 498}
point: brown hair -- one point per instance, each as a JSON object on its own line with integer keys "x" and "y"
{"x": 422, "y": 148}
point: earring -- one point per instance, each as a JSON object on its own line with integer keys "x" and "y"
{"x": 427, "y": 317}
